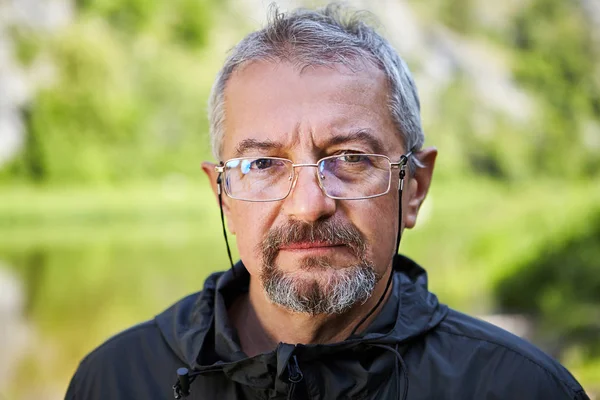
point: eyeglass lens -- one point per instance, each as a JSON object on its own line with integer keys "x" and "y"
{"x": 347, "y": 176}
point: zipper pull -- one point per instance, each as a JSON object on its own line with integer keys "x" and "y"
{"x": 294, "y": 376}
{"x": 294, "y": 373}
{"x": 182, "y": 387}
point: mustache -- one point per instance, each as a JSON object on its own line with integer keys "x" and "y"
{"x": 325, "y": 231}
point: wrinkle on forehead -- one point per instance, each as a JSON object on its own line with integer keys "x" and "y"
{"x": 273, "y": 103}
{"x": 363, "y": 136}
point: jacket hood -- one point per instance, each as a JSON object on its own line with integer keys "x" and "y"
{"x": 198, "y": 331}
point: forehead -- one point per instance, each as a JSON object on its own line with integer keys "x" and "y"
{"x": 308, "y": 109}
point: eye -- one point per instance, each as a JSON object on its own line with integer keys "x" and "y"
{"x": 263, "y": 163}
{"x": 352, "y": 158}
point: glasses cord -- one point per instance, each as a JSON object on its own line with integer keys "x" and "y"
{"x": 390, "y": 277}
{"x": 223, "y": 224}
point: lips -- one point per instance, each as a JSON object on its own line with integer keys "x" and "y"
{"x": 311, "y": 246}
{"x": 326, "y": 238}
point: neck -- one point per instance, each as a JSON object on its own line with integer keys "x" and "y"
{"x": 261, "y": 325}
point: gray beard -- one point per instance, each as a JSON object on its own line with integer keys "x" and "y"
{"x": 344, "y": 286}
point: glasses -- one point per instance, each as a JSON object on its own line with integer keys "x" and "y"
{"x": 343, "y": 177}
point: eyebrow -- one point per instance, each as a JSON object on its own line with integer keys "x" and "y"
{"x": 361, "y": 135}
{"x": 247, "y": 145}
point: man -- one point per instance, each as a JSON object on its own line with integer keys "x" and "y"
{"x": 315, "y": 123}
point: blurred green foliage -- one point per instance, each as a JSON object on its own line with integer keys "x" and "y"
{"x": 553, "y": 51}
{"x": 558, "y": 59}
{"x": 458, "y": 15}
{"x": 551, "y": 281}
{"x": 127, "y": 101}
{"x": 183, "y": 22}
{"x": 128, "y": 98}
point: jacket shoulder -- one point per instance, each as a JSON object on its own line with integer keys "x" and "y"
{"x": 515, "y": 362}
{"x": 115, "y": 368}
{"x": 128, "y": 341}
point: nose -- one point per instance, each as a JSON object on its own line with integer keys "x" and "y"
{"x": 307, "y": 202}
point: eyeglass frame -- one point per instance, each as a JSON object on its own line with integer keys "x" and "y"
{"x": 220, "y": 169}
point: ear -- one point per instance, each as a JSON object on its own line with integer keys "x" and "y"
{"x": 209, "y": 170}
{"x": 418, "y": 186}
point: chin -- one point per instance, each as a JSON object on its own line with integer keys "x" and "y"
{"x": 321, "y": 289}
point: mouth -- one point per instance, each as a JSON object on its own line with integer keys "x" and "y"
{"x": 302, "y": 247}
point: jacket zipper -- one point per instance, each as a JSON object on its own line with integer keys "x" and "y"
{"x": 295, "y": 376}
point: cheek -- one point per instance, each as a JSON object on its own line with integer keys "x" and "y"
{"x": 252, "y": 221}
{"x": 377, "y": 219}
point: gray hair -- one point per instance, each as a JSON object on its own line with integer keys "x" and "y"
{"x": 324, "y": 37}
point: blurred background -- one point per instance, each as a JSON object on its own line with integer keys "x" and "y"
{"x": 106, "y": 219}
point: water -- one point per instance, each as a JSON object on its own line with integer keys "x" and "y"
{"x": 65, "y": 288}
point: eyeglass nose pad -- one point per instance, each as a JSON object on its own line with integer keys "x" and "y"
{"x": 321, "y": 178}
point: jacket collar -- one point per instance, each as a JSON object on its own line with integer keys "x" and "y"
{"x": 198, "y": 330}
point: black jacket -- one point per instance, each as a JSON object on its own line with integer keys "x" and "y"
{"x": 415, "y": 349}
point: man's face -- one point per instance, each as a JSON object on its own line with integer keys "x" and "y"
{"x": 307, "y": 241}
